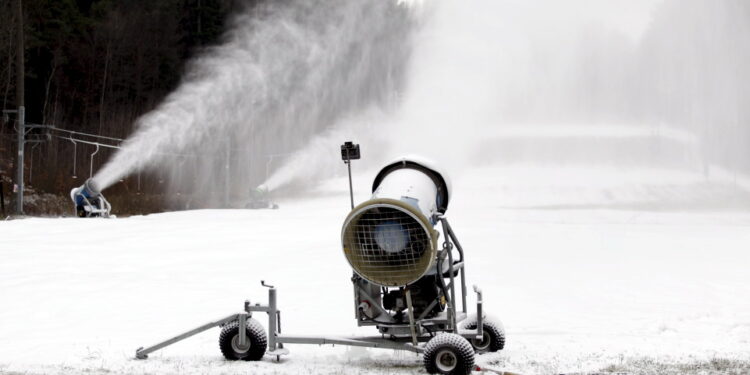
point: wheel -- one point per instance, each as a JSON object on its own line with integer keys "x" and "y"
{"x": 448, "y": 354}
{"x": 493, "y": 338}
{"x": 229, "y": 341}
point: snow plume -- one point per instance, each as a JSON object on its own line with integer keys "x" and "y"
{"x": 286, "y": 71}
{"x": 457, "y": 81}
{"x": 488, "y": 78}
{"x": 474, "y": 65}
{"x": 321, "y": 156}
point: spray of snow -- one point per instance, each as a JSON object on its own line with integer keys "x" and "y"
{"x": 285, "y": 72}
{"x": 441, "y": 78}
{"x": 483, "y": 66}
{"x": 470, "y": 62}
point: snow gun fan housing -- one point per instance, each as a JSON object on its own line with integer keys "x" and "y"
{"x": 89, "y": 201}
{"x": 390, "y": 239}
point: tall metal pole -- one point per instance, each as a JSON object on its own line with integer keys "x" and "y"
{"x": 227, "y": 169}
{"x": 20, "y": 73}
{"x": 19, "y": 55}
{"x": 19, "y": 169}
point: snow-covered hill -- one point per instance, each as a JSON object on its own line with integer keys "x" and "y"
{"x": 643, "y": 271}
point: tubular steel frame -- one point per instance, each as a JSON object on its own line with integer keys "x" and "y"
{"x": 419, "y": 334}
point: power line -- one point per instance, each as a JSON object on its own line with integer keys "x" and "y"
{"x": 75, "y": 140}
{"x": 86, "y": 134}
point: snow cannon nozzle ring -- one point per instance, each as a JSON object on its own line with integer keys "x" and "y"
{"x": 92, "y": 187}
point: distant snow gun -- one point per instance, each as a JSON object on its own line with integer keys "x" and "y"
{"x": 89, "y": 201}
{"x": 259, "y": 199}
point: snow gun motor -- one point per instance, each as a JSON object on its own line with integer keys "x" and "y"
{"x": 89, "y": 201}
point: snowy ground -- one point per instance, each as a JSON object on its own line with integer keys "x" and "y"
{"x": 619, "y": 276}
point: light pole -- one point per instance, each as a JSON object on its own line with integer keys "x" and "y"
{"x": 21, "y": 138}
{"x": 20, "y": 73}
{"x": 19, "y": 167}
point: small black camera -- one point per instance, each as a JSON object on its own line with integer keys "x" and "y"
{"x": 349, "y": 151}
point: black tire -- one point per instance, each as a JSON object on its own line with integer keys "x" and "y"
{"x": 448, "y": 354}
{"x": 229, "y": 341}
{"x": 493, "y": 339}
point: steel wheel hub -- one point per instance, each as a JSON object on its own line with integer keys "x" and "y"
{"x": 239, "y": 348}
{"x": 484, "y": 343}
{"x": 446, "y": 360}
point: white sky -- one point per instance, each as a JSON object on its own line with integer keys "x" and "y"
{"x": 631, "y": 17}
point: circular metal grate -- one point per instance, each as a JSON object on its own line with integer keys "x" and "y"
{"x": 387, "y": 245}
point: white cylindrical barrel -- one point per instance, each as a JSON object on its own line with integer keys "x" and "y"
{"x": 389, "y": 240}
{"x": 412, "y": 187}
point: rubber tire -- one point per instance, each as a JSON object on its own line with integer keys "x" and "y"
{"x": 256, "y": 335}
{"x": 459, "y": 346}
{"x": 495, "y": 331}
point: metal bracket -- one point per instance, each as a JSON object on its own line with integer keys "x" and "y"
{"x": 91, "y": 161}
{"x": 480, "y": 317}
{"x": 242, "y": 318}
{"x": 412, "y": 323}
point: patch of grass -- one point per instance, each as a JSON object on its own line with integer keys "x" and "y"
{"x": 648, "y": 366}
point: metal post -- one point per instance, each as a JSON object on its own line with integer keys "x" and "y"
{"x": 75, "y": 152}
{"x": 448, "y": 245}
{"x": 20, "y": 56}
{"x": 452, "y": 300}
{"x": 227, "y": 161}
{"x": 31, "y": 164}
{"x": 447, "y": 227}
{"x": 412, "y": 324}
{"x": 242, "y": 318}
{"x": 480, "y": 313}
{"x": 19, "y": 166}
{"x": 2, "y": 197}
{"x": 91, "y": 162}
{"x": 20, "y": 94}
{"x": 272, "y": 318}
{"x": 351, "y": 191}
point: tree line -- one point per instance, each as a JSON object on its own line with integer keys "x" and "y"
{"x": 95, "y": 66}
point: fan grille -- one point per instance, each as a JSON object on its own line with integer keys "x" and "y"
{"x": 387, "y": 245}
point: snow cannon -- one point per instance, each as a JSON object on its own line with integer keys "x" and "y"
{"x": 408, "y": 286}
{"x": 259, "y": 199}
{"x": 89, "y": 201}
{"x": 390, "y": 239}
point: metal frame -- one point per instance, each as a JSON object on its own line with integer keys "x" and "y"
{"x": 409, "y": 342}
{"x": 22, "y": 130}
{"x": 450, "y": 318}
{"x": 104, "y": 207}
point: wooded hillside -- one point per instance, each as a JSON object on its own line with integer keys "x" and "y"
{"x": 95, "y": 66}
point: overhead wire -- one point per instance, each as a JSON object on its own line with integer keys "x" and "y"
{"x": 94, "y": 143}
{"x": 87, "y": 142}
{"x": 86, "y": 134}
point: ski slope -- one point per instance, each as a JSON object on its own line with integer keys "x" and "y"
{"x": 591, "y": 270}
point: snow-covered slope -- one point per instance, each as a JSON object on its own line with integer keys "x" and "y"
{"x": 641, "y": 271}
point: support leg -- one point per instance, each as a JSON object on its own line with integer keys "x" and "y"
{"x": 412, "y": 323}
{"x": 272, "y": 319}
{"x": 242, "y": 330}
{"x": 142, "y": 353}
